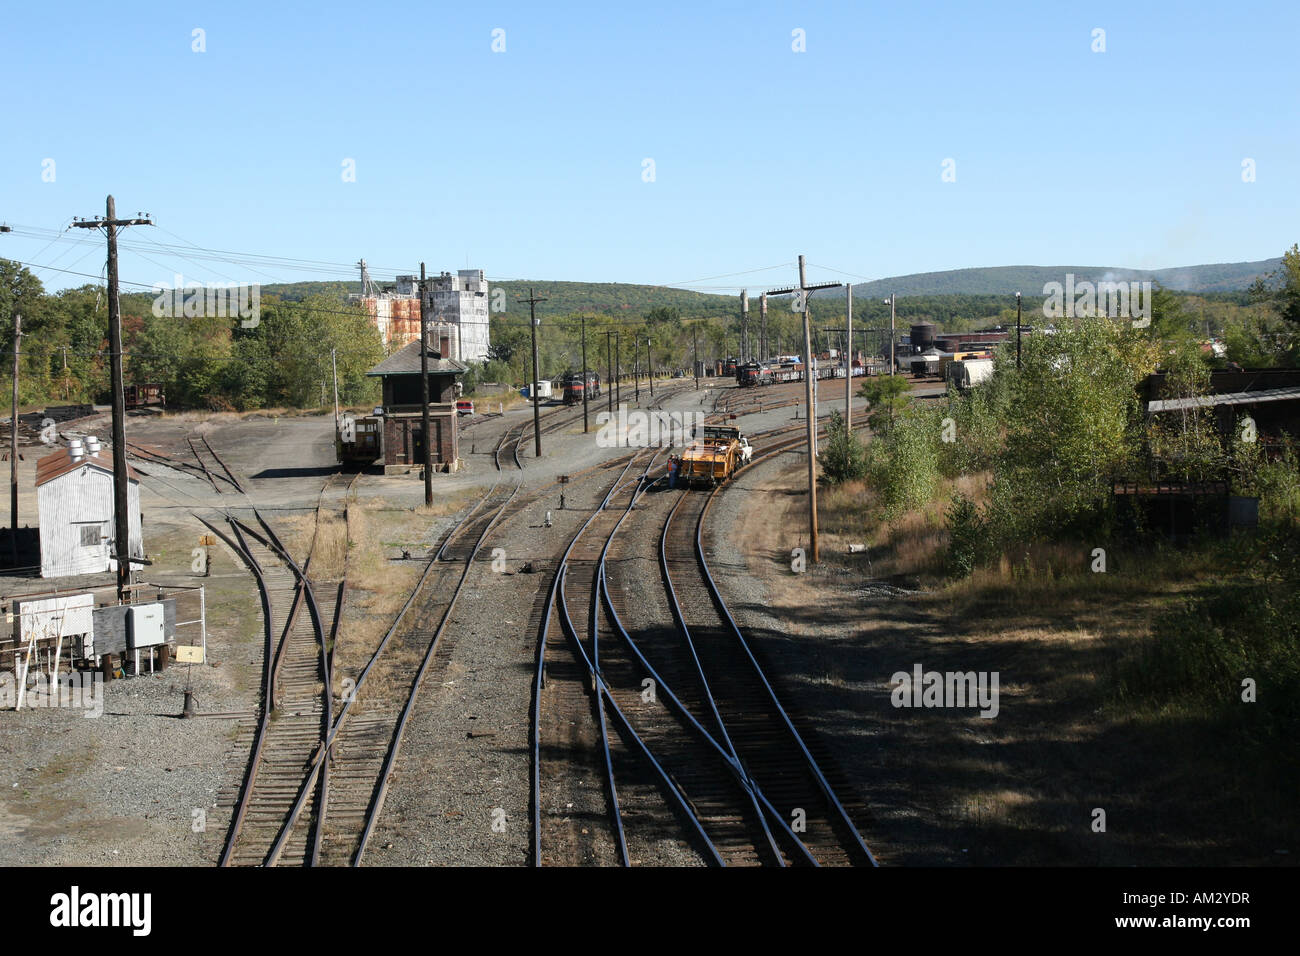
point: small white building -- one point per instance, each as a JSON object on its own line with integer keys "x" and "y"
{"x": 74, "y": 496}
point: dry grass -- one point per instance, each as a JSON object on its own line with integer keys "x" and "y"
{"x": 378, "y": 586}
{"x": 912, "y": 545}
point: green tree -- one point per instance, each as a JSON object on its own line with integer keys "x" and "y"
{"x": 889, "y": 397}
{"x": 842, "y": 457}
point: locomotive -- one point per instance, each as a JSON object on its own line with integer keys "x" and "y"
{"x": 575, "y": 387}
{"x": 752, "y": 373}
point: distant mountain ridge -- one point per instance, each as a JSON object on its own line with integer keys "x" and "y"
{"x": 625, "y": 298}
{"x": 1029, "y": 280}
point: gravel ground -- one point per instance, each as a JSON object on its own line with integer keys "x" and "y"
{"x": 154, "y": 771}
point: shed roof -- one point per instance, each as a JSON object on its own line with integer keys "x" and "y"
{"x": 1226, "y": 398}
{"x": 406, "y": 361}
{"x": 61, "y": 463}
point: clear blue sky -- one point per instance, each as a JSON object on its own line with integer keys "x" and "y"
{"x": 528, "y": 163}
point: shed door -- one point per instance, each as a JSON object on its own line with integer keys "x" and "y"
{"x": 92, "y": 535}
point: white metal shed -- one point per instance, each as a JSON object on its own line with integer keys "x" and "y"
{"x": 74, "y": 495}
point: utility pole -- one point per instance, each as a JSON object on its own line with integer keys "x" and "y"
{"x": 636, "y": 366}
{"x": 762, "y": 328}
{"x": 1017, "y": 331}
{"x": 618, "y": 370}
{"x": 334, "y": 370}
{"x": 586, "y": 385}
{"x": 532, "y": 301}
{"x": 892, "y": 296}
{"x": 650, "y": 366}
{"x": 609, "y": 371}
{"x": 426, "y": 456}
{"x": 695, "y": 354}
{"x": 121, "y": 515}
{"x": 806, "y": 291}
{"x": 744, "y": 324}
{"x": 13, "y": 447}
{"x": 848, "y": 369}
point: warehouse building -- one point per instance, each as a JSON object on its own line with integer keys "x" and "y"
{"x": 74, "y": 497}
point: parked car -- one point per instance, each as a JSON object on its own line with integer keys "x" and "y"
{"x": 464, "y": 407}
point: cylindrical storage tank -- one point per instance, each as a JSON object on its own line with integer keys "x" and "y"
{"x": 922, "y": 336}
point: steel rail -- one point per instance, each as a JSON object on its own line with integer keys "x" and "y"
{"x": 255, "y": 756}
{"x": 224, "y": 467}
{"x": 377, "y": 804}
{"x": 272, "y": 541}
{"x": 322, "y": 756}
{"x": 858, "y": 843}
{"x": 733, "y": 764}
{"x": 199, "y": 458}
{"x": 600, "y": 688}
{"x": 566, "y": 621}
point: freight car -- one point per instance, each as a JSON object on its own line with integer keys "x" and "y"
{"x": 142, "y": 396}
{"x": 357, "y": 440}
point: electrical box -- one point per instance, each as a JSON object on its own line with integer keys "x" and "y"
{"x": 145, "y": 626}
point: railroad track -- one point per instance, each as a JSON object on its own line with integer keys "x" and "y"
{"x": 571, "y": 806}
{"x": 614, "y": 778}
{"x": 711, "y": 760}
{"x": 218, "y": 474}
{"x": 766, "y": 739}
{"x": 362, "y": 745}
{"x": 514, "y": 438}
{"x": 295, "y": 712}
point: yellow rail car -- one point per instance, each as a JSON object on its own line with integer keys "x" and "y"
{"x": 713, "y": 457}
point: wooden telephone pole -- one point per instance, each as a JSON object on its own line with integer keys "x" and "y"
{"x": 695, "y": 354}
{"x": 848, "y": 366}
{"x": 744, "y": 325}
{"x": 13, "y": 447}
{"x": 586, "y": 385}
{"x": 13, "y": 437}
{"x": 121, "y": 514}
{"x": 426, "y": 455}
{"x": 805, "y": 290}
{"x": 609, "y": 371}
{"x": 532, "y": 301}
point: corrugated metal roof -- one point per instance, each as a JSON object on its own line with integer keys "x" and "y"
{"x": 1227, "y": 398}
{"x": 406, "y": 361}
{"x": 61, "y": 463}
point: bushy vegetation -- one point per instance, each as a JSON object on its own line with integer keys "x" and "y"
{"x": 1231, "y": 647}
{"x": 843, "y": 457}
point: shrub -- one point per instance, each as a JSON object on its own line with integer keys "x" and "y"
{"x": 843, "y": 457}
{"x": 968, "y": 534}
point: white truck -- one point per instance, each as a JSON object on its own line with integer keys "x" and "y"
{"x": 745, "y": 452}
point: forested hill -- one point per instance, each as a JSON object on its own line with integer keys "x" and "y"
{"x": 1007, "y": 280}
{"x": 621, "y": 298}
{"x": 562, "y": 298}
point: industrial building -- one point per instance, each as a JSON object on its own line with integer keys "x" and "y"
{"x": 395, "y": 312}
{"x": 457, "y": 311}
{"x": 402, "y": 423}
{"x": 460, "y": 302}
{"x": 74, "y": 495}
